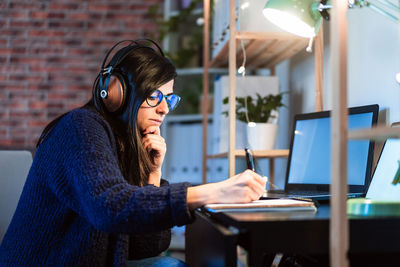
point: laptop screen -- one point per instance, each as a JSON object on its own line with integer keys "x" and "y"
{"x": 381, "y": 187}
{"x": 310, "y": 155}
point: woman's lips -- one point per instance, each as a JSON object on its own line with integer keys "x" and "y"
{"x": 156, "y": 122}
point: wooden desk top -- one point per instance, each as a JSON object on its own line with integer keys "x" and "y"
{"x": 309, "y": 231}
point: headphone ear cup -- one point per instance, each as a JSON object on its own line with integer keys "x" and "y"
{"x": 116, "y": 93}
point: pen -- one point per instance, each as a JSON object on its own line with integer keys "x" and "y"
{"x": 249, "y": 160}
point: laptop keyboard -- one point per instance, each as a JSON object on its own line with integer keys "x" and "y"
{"x": 309, "y": 193}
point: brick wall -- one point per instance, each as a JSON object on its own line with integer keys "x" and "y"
{"x": 50, "y": 54}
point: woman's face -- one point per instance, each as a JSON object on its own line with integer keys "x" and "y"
{"x": 154, "y": 116}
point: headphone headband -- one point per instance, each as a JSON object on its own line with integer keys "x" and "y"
{"x": 125, "y": 51}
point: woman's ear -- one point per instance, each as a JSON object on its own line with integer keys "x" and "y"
{"x": 115, "y": 95}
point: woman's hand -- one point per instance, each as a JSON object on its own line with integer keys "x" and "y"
{"x": 241, "y": 188}
{"x": 155, "y": 145}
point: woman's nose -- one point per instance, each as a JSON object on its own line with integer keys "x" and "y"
{"x": 162, "y": 108}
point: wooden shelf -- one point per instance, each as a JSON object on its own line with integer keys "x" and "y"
{"x": 277, "y": 153}
{"x": 197, "y": 71}
{"x": 263, "y": 50}
{"x": 379, "y": 133}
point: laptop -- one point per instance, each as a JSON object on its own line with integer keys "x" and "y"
{"x": 308, "y": 169}
{"x": 381, "y": 187}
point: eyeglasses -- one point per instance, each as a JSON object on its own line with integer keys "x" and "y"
{"x": 157, "y": 97}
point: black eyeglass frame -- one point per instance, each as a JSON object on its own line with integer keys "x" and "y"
{"x": 161, "y": 96}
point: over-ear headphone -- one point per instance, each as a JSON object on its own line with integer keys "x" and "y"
{"x": 112, "y": 85}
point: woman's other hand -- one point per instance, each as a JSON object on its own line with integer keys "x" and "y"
{"x": 241, "y": 188}
{"x": 155, "y": 145}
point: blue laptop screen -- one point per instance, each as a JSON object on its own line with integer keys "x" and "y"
{"x": 381, "y": 187}
{"x": 311, "y": 152}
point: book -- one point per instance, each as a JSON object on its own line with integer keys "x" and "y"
{"x": 273, "y": 205}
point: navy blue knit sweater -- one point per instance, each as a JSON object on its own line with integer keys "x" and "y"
{"x": 76, "y": 208}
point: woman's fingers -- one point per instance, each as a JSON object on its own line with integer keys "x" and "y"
{"x": 152, "y": 130}
{"x": 253, "y": 183}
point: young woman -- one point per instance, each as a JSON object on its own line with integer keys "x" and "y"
{"x": 94, "y": 194}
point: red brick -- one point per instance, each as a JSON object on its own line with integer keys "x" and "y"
{"x": 14, "y": 104}
{"x": 99, "y": 7}
{"x": 63, "y": 60}
{"x": 46, "y": 15}
{"x": 66, "y": 24}
{"x": 3, "y": 23}
{"x": 31, "y": 95}
{"x": 29, "y": 42}
{"x": 11, "y": 87}
{"x": 79, "y": 87}
{"x": 14, "y": 33}
{"x": 26, "y": 60}
{"x": 105, "y": 24}
{"x": 12, "y": 50}
{"x": 46, "y": 50}
{"x": 118, "y": 16}
{"x": 78, "y": 16}
{"x": 80, "y": 51}
{"x": 17, "y": 142}
{"x": 13, "y": 123}
{"x": 19, "y": 114}
{"x": 16, "y": 14}
{"x": 3, "y": 95}
{"x": 27, "y": 6}
{"x": 54, "y": 105}
{"x": 38, "y": 105}
{"x": 29, "y": 78}
{"x": 13, "y": 68}
{"x": 3, "y": 114}
{"x": 5, "y": 142}
{"x": 20, "y": 24}
{"x": 46, "y": 33}
{"x": 46, "y": 68}
{"x": 45, "y": 86}
{"x": 65, "y": 6}
{"x": 63, "y": 96}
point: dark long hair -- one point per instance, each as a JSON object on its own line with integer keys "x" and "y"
{"x": 144, "y": 70}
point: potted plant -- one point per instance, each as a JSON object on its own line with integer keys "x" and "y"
{"x": 261, "y": 116}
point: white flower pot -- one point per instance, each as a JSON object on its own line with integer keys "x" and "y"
{"x": 261, "y": 136}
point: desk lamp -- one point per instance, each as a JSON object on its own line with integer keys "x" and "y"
{"x": 304, "y": 17}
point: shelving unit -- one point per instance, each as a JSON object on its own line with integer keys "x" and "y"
{"x": 257, "y": 45}
{"x": 263, "y": 50}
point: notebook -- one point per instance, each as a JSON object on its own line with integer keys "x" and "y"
{"x": 381, "y": 187}
{"x": 308, "y": 169}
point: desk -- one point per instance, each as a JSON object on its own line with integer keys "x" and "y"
{"x": 212, "y": 239}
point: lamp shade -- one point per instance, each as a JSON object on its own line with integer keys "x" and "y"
{"x": 299, "y": 17}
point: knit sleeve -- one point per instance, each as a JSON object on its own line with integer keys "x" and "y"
{"x": 148, "y": 245}
{"x": 87, "y": 179}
